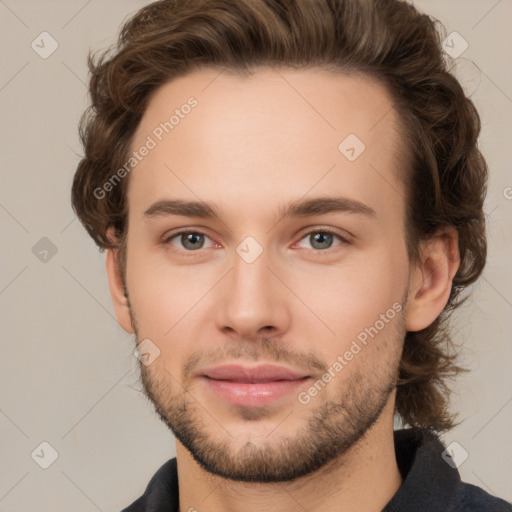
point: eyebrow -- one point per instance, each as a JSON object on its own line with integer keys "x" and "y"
{"x": 297, "y": 208}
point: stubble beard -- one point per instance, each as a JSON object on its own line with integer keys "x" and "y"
{"x": 329, "y": 429}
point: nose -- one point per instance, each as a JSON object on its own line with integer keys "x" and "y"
{"x": 253, "y": 300}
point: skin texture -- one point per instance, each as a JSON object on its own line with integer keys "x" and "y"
{"x": 249, "y": 147}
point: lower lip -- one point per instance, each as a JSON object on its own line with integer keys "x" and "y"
{"x": 253, "y": 394}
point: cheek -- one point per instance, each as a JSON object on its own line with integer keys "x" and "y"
{"x": 163, "y": 295}
{"x": 174, "y": 303}
{"x": 350, "y": 298}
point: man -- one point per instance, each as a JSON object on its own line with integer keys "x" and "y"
{"x": 290, "y": 195}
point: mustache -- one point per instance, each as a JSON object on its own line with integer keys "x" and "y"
{"x": 265, "y": 349}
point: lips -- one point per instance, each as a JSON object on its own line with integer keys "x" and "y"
{"x": 252, "y": 387}
{"x": 243, "y": 374}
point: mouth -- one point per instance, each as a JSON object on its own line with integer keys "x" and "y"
{"x": 252, "y": 387}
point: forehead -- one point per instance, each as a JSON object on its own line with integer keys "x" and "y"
{"x": 215, "y": 132}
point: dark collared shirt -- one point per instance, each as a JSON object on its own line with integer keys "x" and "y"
{"x": 430, "y": 483}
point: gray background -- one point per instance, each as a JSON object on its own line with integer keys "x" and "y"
{"x": 68, "y": 375}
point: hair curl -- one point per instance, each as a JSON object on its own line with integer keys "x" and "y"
{"x": 388, "y": 40}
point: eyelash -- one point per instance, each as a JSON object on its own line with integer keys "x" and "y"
{"x": 343, "y": 240}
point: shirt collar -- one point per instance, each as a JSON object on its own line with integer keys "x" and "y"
{"x": 429, "y": 483}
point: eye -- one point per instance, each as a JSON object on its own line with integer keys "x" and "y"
{"x": 188, "y": 240}
{"x": 321, "y": 240}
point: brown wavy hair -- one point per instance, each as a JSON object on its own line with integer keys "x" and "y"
{"x": 389, "y": 41}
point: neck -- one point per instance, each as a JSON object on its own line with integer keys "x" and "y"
{"x": 341, "y": 485}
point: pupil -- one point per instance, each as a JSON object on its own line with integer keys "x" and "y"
{"x": 323, "y": 239}
{"x": 190, "y": 240}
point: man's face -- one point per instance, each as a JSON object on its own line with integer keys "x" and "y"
{"x": 250, "y": 288}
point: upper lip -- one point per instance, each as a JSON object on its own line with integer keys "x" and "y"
{"x": 262, "y": 373}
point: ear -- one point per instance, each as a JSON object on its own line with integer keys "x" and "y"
{"x": 115, "y": 283}
{"x": 431, "y": 279}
